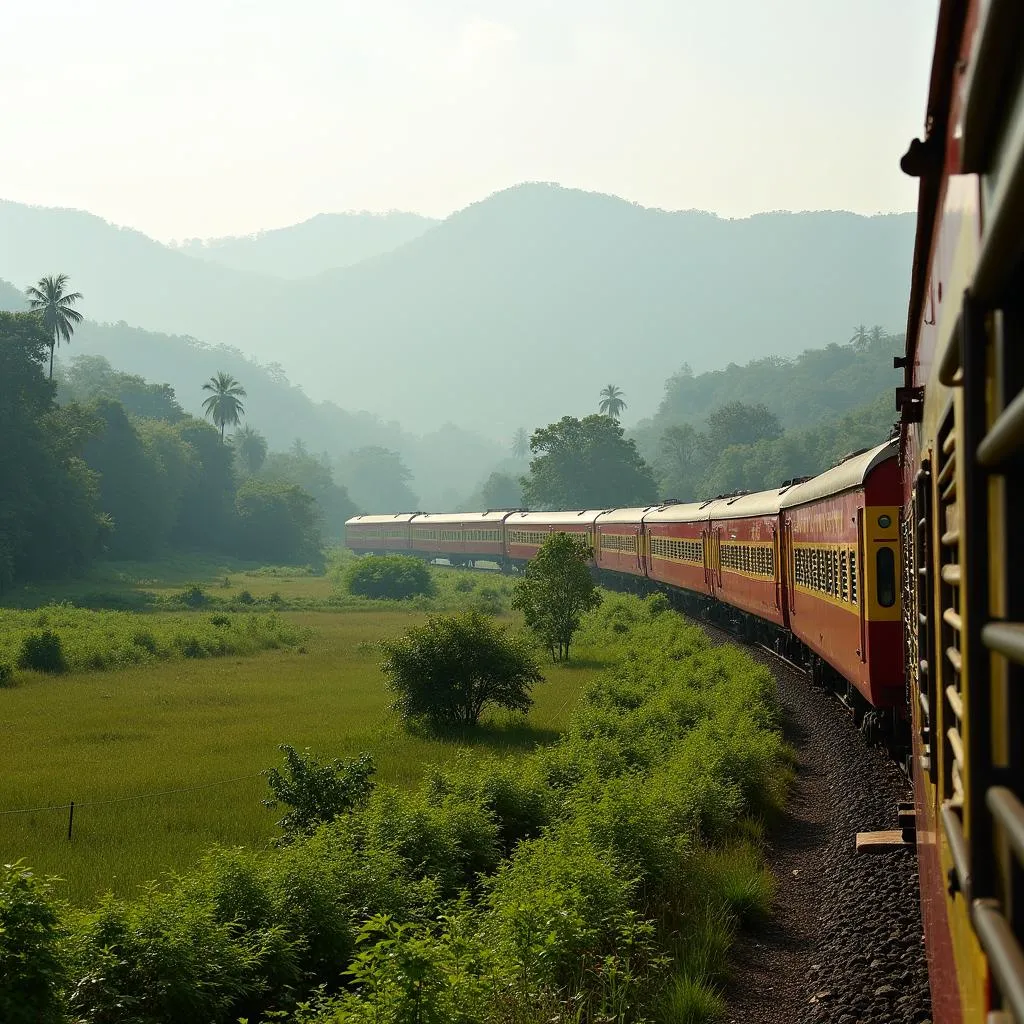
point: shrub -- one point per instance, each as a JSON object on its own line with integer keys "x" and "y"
{"x": 31, "y": 972}
{"x": 6, "y": 674}
{"x": 394, "y": 577}
{"x": 42, "y": 652}
{"x": 244, "y": 597}
{"x": 446, "y": 672}
{"x": 193, "y": 596}
{"x": 220, "y": 620}
{"x": 316, "y": 793}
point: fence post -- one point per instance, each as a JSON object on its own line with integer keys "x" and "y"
{"x": 71, "y": 819}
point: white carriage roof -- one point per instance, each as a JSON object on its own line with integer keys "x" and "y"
{"x": 431, "y": 518}
{"x": 633, "y": 516}
{"x": 680, "y": 512}
{"x": 402, "y": 517}
{"x": 584, "y": 517}
{"x": 745, "y": 506}
{"x": 844, "y": 477}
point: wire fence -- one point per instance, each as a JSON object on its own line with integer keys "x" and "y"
{"x": 72, "y": 805}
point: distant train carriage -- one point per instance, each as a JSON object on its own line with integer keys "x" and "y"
{"x": 619, "y": 541}
{"x": 674, "y": 539}
{"x": 526, "y": 531}
{"x": 841, "y": 539}
{"x": 462, "y": 538}
{"x": 378, "y": 535}
{"x": 744, "y": 547}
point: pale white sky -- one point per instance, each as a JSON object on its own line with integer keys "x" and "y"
{"x": 211, "y": 117}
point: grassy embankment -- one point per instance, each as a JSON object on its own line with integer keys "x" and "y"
{"x": 104, "y": 737}
{"x": 598, "y": 878}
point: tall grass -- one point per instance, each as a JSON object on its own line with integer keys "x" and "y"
{"x": 107, "y": 739}
{"x": 93, "y": 640}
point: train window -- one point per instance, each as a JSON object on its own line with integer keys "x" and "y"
{"x": 854, "y": 597}
{"x": 885, "y": 569}
{"x": 844, "y": 577}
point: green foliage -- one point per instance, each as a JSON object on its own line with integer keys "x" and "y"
{"x": 315, "y": 476}
{"x": 501, "y": 490}
{"x": 394, "y": 577}
{"x": 448, "y": 671}
{"x": 61, "y": 638}
{"x": 556, "y": 590}
{"x": 277, "y": 522}
{"x": 586, "y": 463}
{"x": 54, "y": 306}
{"x": 601, "y": 878}
{"x": 224, "y": 405}
{"x": 315, "y": 793}
{"x": 32, "y": 973}
{"x": 89, "y": 378}
{"x": 42, "y": 652}
{"x": 250, "y": 448}
{"x": 378, "y": 479}
{"x": 49, "y": 520}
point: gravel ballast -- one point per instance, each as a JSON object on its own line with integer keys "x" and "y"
{"x": 845, "y": 943}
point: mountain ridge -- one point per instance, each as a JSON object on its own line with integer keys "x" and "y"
{"x": 510, "y": 312}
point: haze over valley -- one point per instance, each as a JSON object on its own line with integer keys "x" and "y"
{"x": 507, "y": 313}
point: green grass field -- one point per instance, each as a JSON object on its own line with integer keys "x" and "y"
{"x": 106, "y": 739}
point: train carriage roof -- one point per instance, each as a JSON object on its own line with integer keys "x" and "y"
{"x": 846, "y": 476}
{"x": 445, "y": 518}
{"x": 584, "y": 517}
{"x": 402, "y": 517}
{"x": 678, "y": 512}
{"x": 748, "y": 506}
{"x": 630, "y": 516}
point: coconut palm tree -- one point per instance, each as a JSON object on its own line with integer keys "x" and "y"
{"x": 520, "y": 444}
{"x": 224, "y": 405}
{"x": 612, "y": 402}
{"x": 860, "y": 338}
{"x": 251, "y": 447}
{"x": 48, "y": 298}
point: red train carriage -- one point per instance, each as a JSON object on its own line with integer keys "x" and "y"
{"x": 526, "y": 531}
{"x": 378, "y": 534}
{"x": 619, "y": 541}
{"x": 841, "y": 544}
{"x": 743, "y": 544}
{"x": 461, "y": 537}
{"x": 674, "y": 542}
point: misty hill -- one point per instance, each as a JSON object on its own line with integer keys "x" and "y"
{"x": 125, "y": 275}
{"x": 510, "y": 313}
{"x": 323, "y": 242}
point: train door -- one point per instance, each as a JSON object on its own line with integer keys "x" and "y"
{"x": 707, "y": 551}
{"x": 862, "y": 589}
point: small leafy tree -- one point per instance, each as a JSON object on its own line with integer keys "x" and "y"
{"x": 446, "y": 672}
{"x": 394, "y": 577}
{"x": 316, "y": 792}
{"x": 31, "y": 973}
{"x": 555, "y": 591}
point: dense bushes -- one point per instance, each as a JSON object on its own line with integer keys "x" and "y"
{"x": 601, "y": 878}
{"x": 394, "y": 577}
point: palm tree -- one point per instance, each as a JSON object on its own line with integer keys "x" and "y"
{"x": 251, "y": 447}
{"x": 860, "y": 338}
{"x": 224, "y": 405}
{"x": 520, "y": 444}
{"x": 59, "y": 318}
{"x": 612, "y": 402}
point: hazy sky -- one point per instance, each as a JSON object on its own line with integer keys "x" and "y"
{"x": 211, "y": 117}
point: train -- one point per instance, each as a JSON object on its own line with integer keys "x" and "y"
{"x": 961, "y": 441}
{"x": 810, "y": 568}
{"x": 897, "y": 576}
